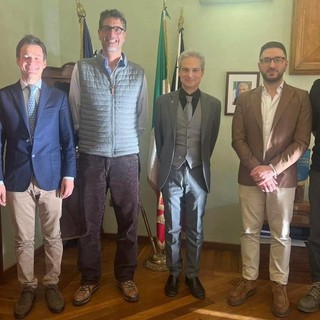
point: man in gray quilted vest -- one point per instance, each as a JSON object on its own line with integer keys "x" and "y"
{"x": 108, "y": 97}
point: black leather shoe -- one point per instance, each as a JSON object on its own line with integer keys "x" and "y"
{"x": 171, "y": 288}
{"x": 196, "y": 287}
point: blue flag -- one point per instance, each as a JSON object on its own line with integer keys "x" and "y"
{"x": 87, "y": 49}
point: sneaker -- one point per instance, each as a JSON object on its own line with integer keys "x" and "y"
{"x": 84, "y": 293}
{"x": 311, "y": 301}
{"x": 54, "y": 298}
{"x": 129, "y": 290}
{"x": 25, "y": 303}
{"x": 280, "y": 303}
{"x": 244, "y": 289}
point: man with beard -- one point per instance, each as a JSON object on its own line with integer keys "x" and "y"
{"x": 108, "y": 97}
{"x": 271, "y": 129}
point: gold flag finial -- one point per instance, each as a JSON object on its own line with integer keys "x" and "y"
{"x": 181, "y": 20}
{"x": 80, "y": 11}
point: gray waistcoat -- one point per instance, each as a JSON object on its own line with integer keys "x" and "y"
{"x": 108, "y": 115}
{"x": 188, "y": 139}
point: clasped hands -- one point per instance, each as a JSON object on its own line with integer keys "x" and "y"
{"x": 264, "y": 178}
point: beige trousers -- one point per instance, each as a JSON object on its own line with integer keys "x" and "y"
{"x": 23, "y": 207}
{"x": 277, "y": 208}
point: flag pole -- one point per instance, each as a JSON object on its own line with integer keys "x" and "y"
{"x": 180, "y": 29}
{"x": 157, "y": 262}
{"x": 81, "y": 15}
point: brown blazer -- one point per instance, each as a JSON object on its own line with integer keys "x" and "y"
{"x": 289, "y": 138}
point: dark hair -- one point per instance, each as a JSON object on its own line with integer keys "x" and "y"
{"x": 30, "y": 39}
{"x": 273, "y": 44}
{"x": 113, "y": 13}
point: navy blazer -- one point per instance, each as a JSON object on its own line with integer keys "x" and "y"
{"x": 51, "y": 156}
{"x": 165, "y": 132}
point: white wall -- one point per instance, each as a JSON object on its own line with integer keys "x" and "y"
{"x": 230, "y": 37}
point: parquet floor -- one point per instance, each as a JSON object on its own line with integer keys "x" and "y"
{"x": 219, "y": 272}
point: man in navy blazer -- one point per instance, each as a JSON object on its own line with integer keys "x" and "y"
{"x": 37, "y": 169}
{"x": 186, "y": 130}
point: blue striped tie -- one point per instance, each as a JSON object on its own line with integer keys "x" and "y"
{"x": 32, "y": 107}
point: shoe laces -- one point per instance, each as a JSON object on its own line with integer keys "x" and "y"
{"x": 128, "y": 284}
{"x": 242, "y": 284}
{"x": 84, "y": 288}
{"x": 314, "y": 291}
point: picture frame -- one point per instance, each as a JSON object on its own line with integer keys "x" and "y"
{"x": 236, "y": 83}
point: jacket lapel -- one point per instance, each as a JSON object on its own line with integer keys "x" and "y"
{"x": 256, "y": 105}
{"x": 43, "y": 98}
{"x": 285, "y": 99}
{"x": 18, "y": 101}
{"x": 172, "y": 109}
{"x": 204, "y": 116}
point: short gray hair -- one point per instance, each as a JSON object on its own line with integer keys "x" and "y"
{"x": 194, "y": 54}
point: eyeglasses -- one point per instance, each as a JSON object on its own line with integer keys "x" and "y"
{"x": 108, "y": 29}
{"x": 276, "y": 60}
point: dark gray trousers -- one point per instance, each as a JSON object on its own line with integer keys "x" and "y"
{"x": 96, "y": 175}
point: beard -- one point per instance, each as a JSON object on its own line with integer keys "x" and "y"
{"x": 272, "y": 79}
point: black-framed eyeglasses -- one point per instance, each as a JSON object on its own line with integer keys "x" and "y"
{"x": 277, "y": 60}
{"x": 108, "y": 29}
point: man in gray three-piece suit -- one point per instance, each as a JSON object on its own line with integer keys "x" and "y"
{"x": 186, "y": 130}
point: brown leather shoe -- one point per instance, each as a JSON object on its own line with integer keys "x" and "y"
{"x": 129, "y": 290}
{"x": 25, "y": 303}
{"x": 311, "y": 301}
{"x": 84, "y": 293}
{"x": 244, "y": 289}
{"x": 280, "y": 303}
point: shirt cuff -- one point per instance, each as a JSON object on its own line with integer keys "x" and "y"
{"x": 275, "y": 174}
{"x": 69, "y": 178}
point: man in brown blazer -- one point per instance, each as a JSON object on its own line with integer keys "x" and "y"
{"x": 271, "y": 129}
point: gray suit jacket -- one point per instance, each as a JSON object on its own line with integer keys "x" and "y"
{"x": 165, "y": 132}
{"x": 289, "y": 138}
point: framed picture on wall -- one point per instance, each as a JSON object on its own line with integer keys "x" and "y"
{"x": 238, "y": 82}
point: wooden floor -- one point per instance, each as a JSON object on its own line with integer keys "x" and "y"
{"x": 219, "y": 273}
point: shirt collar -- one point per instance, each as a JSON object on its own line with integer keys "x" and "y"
{"x": 279, "y": 88}
{"x": 24, "y": 84}
{"x": 195, "y": 95}
{"x": 121, "y": 62}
